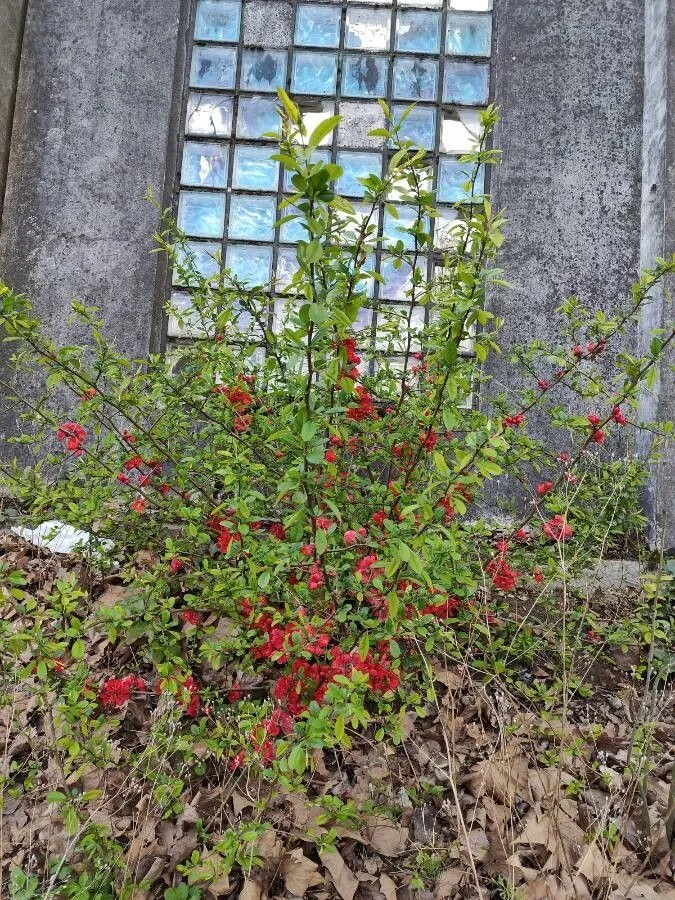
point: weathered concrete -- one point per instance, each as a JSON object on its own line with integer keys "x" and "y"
{"x": 92, "y": 131}
{"x": 569, "y": 78}
{"x": 658, "y": 239}
{"x": 12, "y": 14}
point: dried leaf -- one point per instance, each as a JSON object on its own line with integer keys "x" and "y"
{"x": 388, "y": 887}
{"x": 447, "y": 883}
{"x": 346, "y": 883}
{"x": 299, "y": 873}
{"x": 385, "y": 837}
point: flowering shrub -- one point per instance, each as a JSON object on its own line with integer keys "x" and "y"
{"x": 298, "y": 502}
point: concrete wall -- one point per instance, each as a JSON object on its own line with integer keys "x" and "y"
{"x": 92, "y": 131}
{"x": 12, "y": 13}
{"x": 569, "y": 76}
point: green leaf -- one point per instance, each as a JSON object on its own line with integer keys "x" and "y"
{"x": 322, "y": 130}
{"x": 290, "y": 107}
{"x": 309, "y": 429}
{"x": 314, "y": 251}
{"x": 440, "y": 463}
{"x": 364, "y": 646}
{"x": 78, "y": 649}
{"x": 56, "y": 797}
{"x": 321, "y": 541}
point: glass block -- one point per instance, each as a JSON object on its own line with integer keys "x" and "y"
{"x": 427, "y": 4}
{"x": 198, "y": 257}
{"x": 449, "y": 229}
{"x": 313, "y": 113}
{"x": 209, "y": 115}
{"x": 368, "y": 29}
{"x": 201, "y": 214}
{"x": 181, "y": 306}
{"x": 257, "y": 116}
{"x": 355, "y": 166}
{"x": 204, "y": 165}
{"x": 396, "y": 316}
{"x": 314, "y": 72}
{"x": 415, "y": 79}
{"x": 469, "y": 35}
{"x": 452, "y": 176}
{"x": 354, "y": 223}
{"x": 367, "y": 284}
{"x": 317, "y": 26}
{"x": 364, "y": 76}
{"x": 213, "y": 67}
{"x": 419, "y": 126}
{"x": 254, "y": 169}
{"x": 394, "y": 228}
{"x": 363, "y": 325}
{"x": 471, "y": 5}
{"x": 263, "y": 70}
{"x": 317, "y": 155}
{"x": 287, "y": 266}
{"x": 294, "y": 230}
{"x": 252, "y": 217}
{"x": 250, "y": 264}
{"x": 418, "y": 32}
{"x": 466, "y": 82}
{"x": 218, "y": 20}
{"x": 460, "y": 133}
{"x": 398, "y": 281}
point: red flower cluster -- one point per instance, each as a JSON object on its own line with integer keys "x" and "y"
{"x": 190, "y": 617}
{"x": 442, "y": 609}
{"x": 278, "y": 531}
{"x": 293, "y": 637}
{"x": 115, "y": 692}
{"x": 504, "y": 578}
{"x": 365, "y": 409}
{"x": 349, "y": 346}
{"x": 557, "y": 529}
{"x": 316, "y": 578}
{"x": 74, "y": 437}
{"x": 618, "y": 416}
{"x": 310, "y": 681}
{"x": 364, "y": 567}
{"x": 189, "y": 689}
{"x": 448, "y": 506}
{"x": 515, "y": 421}
{"x": 237, "y": 397}
{"x": 544, "y": 487}
{"x": 428, "y": 440}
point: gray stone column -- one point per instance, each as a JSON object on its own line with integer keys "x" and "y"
{"x": 95, "y": 126}
{"x": 588, "y": 200}
{"x": 658, "y": 239}
{"x": 12, "y": 16}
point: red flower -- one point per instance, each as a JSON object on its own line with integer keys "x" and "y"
{"x": 123, "y": 479}
{"x": 577, "y": 351}
{"x": 364, "y": 567}
{"x": 428, "y": 440}
{"x": 379, "y": 517}
{"x": 543, "y": 385}
{"x": 564, "y": 458}
{"x": 139, "y": 505}
{"x": 365, "y": 409}
{"x": 557, "y": 529}
{"x": 128, "y": 437}
{"x": 316, "y": 578}
{"x": 191, "y": 617}
{"x": 234, "y": 694}
{"x": 443, "y": 609}
{"x": 242, "y": 423}
{"x": 134, "y": 463}
{"x": 515, "y": 421}
{"x": 278, "y": 531}
{"x": 593, "y": 420}
{"x": 323, "y": 522}
{"x": 598, "y": 437}
{"x": 307, "y": 550}
{"x": 89, "y": 394}
{"x": 522, "y": 535}
{"x": 349, "y": 346}
{"x": 350, "y": 537}
{"x": 504, "y": 577}
{"x": 335, "y": 441}
{"x": 544, "y": 487}
{"x": 330, "y": 456}
{"x": 74, "y": 436}
{"x": 538, "y": 575}
{"x": 115, "y": 692}
{"x": 176, "y": 565}
{"x": 618, "y": 416}
{"x": 237, "y": 761}
{"x": 237, "y": 397}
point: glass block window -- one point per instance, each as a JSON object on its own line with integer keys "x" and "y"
{"x": 332, "y": 57}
